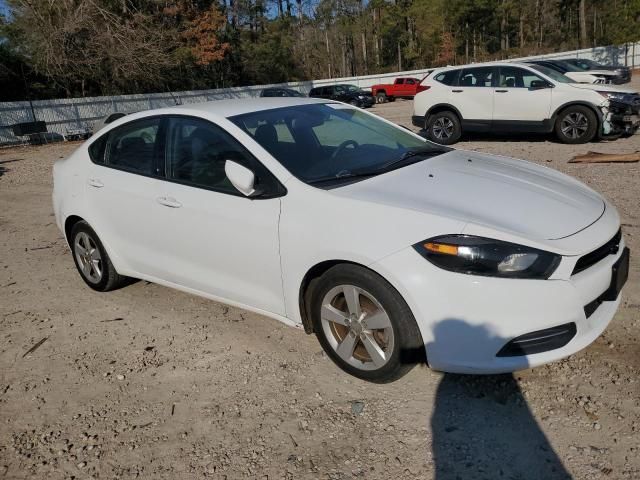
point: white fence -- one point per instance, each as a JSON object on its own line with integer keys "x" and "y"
{"x": 64, "y": 114}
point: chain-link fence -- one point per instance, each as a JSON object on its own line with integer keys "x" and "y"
{"x": 66, "y": 116}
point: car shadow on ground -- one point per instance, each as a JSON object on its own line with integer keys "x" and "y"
{"x": 482, "y": 426}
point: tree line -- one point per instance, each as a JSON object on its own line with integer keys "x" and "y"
{"x": 70, "y": 48}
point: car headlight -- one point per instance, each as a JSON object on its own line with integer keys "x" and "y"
{"x": 487, "y": 257}
{"x": 613, "y": 95}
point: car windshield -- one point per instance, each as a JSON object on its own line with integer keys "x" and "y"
{"x": 330, "y": 144}
{"x": 552, "y": 74}
{"x": 347, "y": 88}
{"x": 568, "y": 67}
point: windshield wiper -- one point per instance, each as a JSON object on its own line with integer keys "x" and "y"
{"x": 409, "y": 157}
{"x": 342, "y": 176}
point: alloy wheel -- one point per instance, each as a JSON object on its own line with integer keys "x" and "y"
{"x": 574, "y": 125}
{"x": 357, "y": 327}
{"x": 88, "y": 257}
{"x": 442, "y": 128}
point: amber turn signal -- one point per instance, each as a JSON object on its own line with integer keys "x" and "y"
{"x": 442, "y": 248}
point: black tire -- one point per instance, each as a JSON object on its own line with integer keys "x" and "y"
{"x": 407, "y": 346}
{"x": 576, "y": 124}
{"x": 108, "y": 279}
{"x": 381, "y": 97}
{"x": 444, "y": 128}
{"x": 355, "y": 103}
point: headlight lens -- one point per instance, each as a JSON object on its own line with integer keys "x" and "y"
{"x": 613, "y": 95}
{"x": 487, "y": 257}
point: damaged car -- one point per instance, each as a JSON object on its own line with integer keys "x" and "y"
{"x": 505, "y": 97}
{"x": 621, "y": 73}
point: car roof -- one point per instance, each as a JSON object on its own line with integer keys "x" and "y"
{"x": 238, "y": 106}
{"x": 483, "y": 64}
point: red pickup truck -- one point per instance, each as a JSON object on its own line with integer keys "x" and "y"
{"x": 402, "y": 87}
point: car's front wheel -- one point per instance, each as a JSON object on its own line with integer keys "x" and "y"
{"x": 381, "y": 97}
{"x": 364, "y": 325}
{"x": 444, "y": 128}
{"x": 576, "y": 124}
{"x": 92, "y": 261}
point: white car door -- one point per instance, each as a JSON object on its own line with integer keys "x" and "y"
{"x": 519, "y": 96}
{"x": 122, "y": 185}
{"x": 473, "y": 96}
{"x": 215, "y": 240}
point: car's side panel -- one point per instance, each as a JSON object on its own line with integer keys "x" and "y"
{"x": 224, "y": 245}
{"x": 329, "y": 226}
{"x": 115, "y": 211}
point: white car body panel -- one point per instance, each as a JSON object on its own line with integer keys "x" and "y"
{"x": 255, "y": 254}
{"x": 534, "y": 105}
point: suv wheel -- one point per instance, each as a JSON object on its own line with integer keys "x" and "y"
{"x": 576, "y": 124}
{"x": 364, "y": 325}
{"x": 444, "y": 128}
{"x": 381, "y": 97}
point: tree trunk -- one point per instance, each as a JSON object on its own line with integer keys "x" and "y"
{"x": 582, "y": 13}
{"x": 466, "y": 42}
{"x": 364, "y": 52}
{"x": 376, "y": 44}
{"x": 399, "y": 58}
{"x": 326, "y": 41}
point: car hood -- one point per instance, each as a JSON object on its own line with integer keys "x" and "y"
{"x": 603, "y": 88}
{"x": 497, "y": 192}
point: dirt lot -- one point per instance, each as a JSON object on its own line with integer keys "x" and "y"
{"x": 151, "y": 383}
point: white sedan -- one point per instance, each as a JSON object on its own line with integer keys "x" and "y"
{"x": 391, "y": 249}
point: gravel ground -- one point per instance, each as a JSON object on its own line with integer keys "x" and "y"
{"x": 147, "y": 382}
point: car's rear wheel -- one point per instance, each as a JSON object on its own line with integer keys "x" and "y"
{"x": 364, "y": 325}
{"x": 381, "y": 97}
{"x": 576, "y": 124}
{"x": 444, "y": 128}
{"x": 92, "y": 261}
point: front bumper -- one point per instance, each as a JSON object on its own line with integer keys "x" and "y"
{"x": 620, "y": 118}
{"x": 466, "y": 320}
{"x": 366, "y": 102}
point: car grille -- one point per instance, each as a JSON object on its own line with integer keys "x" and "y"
{"x": 591, "y": 258}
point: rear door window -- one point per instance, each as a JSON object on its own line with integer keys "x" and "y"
{"x": 136, "y": 146}
{"x": 476, "y": 77}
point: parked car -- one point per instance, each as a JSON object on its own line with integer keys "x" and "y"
{"x": 344, "y": 93}
{"x": 622, "y": 74}
{"x": 521, "y": 97}
{"x": 280, "y": 92}
{"x": 331, "y": 219}
{"x": 402, "y": 87}
{"x": 112, "y": 117}
{"x": 576, "y": 74}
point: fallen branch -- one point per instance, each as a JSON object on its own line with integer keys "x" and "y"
{"x": 597, "y": 157}
{"x": 35, "y": 347}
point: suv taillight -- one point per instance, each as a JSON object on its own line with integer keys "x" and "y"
{"x": 422, "y": 88}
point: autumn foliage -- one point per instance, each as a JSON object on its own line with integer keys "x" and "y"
{"x": 202, "y": 32}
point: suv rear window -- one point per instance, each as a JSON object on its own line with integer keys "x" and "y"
{"x": 448, "y": 78}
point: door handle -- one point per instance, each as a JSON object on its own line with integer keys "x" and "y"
{"x": 169, "y": 202}
{"x": 502, "y": 91}
{"x": 94, "y": 182}
{"x": 457, "y": 91}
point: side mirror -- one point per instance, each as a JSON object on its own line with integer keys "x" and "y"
{"x": 538, "y": 84}
{"x": 241, "y": 177}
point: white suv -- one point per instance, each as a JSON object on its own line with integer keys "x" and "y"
{"x": 516, "y": 97}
